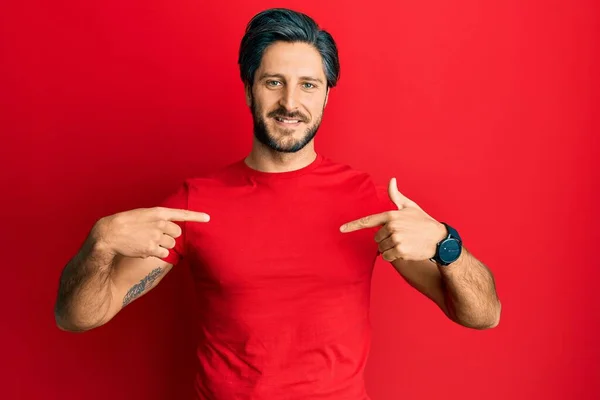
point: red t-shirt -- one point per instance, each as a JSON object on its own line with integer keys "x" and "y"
{"x": 284, "y": 295}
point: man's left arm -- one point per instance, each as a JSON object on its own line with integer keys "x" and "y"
{"x": 465, "y": 289}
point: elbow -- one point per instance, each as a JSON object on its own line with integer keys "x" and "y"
{"x": 74, "y": 328}
{"x": 492, "y": 318}
{"x": 68, "y": 328}
{"x": 492, "y": 323}
{"x": 495, "y": 321}
{"x": 73, "y": 317}
{"x": 66, "y": 324}
{"x": 61, "y": 318}
{"x": 496, "y": 313}
{"x": 482, "y": 324}
{"x": 483, "y": 321}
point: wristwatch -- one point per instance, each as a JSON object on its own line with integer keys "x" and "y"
{"x": 448, "y": 249}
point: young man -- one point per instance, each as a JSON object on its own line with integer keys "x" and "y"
{"x": 282, "y": 243}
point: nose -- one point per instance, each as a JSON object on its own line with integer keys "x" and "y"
{"x": 288, "y": 100}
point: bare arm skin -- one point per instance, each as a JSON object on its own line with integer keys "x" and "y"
{"x": 119, "y": 262}
{"x": 464, "y": 290}
{"x": 96, "y": 284}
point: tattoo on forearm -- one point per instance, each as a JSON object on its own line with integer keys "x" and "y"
{"x": 137, "y": 289}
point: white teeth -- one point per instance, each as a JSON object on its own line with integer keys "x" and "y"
{"x": 288, "y": 121}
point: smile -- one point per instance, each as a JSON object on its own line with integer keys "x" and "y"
{"x": 287, "y": 121}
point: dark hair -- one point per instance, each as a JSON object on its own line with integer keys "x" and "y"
{"x": 280, "y": 24}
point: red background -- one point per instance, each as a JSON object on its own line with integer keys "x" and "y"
{"x": 485, "y": 111}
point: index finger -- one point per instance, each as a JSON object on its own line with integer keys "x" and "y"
{"x": 177, "y": 214}
{"x": 370, "y": 221}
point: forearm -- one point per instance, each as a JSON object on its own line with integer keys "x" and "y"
{"x": 470, "y": 292}
{"x": 84, "y": 293}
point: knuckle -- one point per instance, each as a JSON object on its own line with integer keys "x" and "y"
{"x": 158, "y": 211}
{"x": 403, "y": 249}
{"x": 383, "y": 232}
{"x": 149, "y": 248}
{"x": 116, "y": 224}
{"x": 102, "y": 226}
{"x": 116, "y": 219}
{"x": 394, "y": 226}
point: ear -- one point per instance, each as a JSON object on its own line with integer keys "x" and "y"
{"x": 248, "y": 92}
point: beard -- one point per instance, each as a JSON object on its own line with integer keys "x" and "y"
{"x": 284, "y": 141}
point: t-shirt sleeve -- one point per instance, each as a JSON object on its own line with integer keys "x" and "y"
{"x": 177, "y": 199}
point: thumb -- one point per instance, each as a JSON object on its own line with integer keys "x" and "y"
{"x": 400, "y": 200}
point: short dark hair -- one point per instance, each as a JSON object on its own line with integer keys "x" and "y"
{"x": 281, "y": 24}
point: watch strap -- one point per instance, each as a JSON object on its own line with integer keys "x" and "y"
{"x": 452, "y": 234}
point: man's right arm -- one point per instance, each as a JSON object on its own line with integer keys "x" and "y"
{"x": 95, "y": 285}
{"x": 121, "y": 260}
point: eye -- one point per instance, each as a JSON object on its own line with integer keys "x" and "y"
{"x": 308, "y": 85}
{"x": 273, "y": 83}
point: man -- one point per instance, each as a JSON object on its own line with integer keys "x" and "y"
{"x": 282, "y": 243}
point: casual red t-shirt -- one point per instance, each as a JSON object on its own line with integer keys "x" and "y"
{"x": 284, "y": 295}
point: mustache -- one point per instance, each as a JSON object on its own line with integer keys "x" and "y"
{"x": 282, "y": 113}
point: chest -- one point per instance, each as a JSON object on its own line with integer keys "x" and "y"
{"x": 267, "y": 239}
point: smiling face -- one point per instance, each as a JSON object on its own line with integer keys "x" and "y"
{"x": 288, "y": 96}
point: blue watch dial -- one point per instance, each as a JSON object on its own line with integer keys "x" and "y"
{"x": 449, "y": 250}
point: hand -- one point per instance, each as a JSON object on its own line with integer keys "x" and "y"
{"x": 143, "y": 232}
{"x": 408, "y": 233}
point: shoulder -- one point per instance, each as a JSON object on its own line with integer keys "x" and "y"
{"x": 347, "y": 172}
{"x": 195, "y": 185}
{"x": 363, "y": 182}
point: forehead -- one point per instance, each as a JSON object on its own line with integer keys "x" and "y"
{"x": 292, "y": 59}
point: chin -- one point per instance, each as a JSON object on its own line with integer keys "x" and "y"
{"x": 284, "y": 139}
{"x": 286, "y": 146}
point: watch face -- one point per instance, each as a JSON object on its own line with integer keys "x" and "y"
{"x": 449, "y": 250}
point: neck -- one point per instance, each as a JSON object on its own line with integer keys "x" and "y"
{"x": 265, "y": 159}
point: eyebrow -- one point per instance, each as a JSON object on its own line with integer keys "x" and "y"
{"x": 280, "y": 76}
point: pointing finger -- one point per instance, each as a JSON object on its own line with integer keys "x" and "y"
{"x": 174, "y": 214}
{"x": 369, "y": 221}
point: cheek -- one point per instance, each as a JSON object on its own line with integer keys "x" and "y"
{"x": 316, "y": 111}
{"x": 266, "y": 106}
{"x": 316, "y": 105}
{"x": 259, "y": 101}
